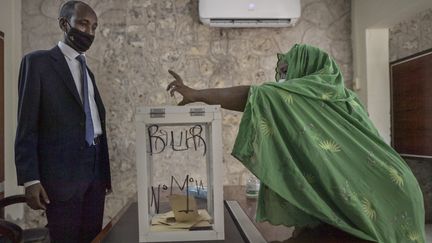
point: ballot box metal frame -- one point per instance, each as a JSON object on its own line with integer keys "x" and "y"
{"x": 210, "y": 115}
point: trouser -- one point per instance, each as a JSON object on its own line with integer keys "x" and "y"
{"x": 79, "y": 219}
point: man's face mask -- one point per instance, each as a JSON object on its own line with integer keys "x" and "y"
{"x": 81, "y": 40}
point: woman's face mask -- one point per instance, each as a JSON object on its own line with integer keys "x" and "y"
{"x": 81, "y": 40}
{"x": 281, "y": 69}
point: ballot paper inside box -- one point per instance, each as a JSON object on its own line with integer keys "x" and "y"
{"x": 179, "y": 173}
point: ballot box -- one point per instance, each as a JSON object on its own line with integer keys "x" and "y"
{"x": 179, "y": 173}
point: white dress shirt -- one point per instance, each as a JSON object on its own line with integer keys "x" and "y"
{"x": 75, "y": 68}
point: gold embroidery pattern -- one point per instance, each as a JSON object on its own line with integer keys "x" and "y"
{"x": 347, "y": 194}
{"x": 330, "y": 145}
{"x": 265, "y": 127}
{"x": 414, "y": 236}
{"x": 287, "y": 98}
{"x": 368, "y": 209}
{"x": 327, "y": 96}
{"x": 395, "y": 177}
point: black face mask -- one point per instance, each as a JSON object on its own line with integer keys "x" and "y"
{"x": 81, "y": 40}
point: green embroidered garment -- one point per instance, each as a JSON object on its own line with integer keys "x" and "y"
{"x": 321, "y": 160}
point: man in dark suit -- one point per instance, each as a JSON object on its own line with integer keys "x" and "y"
{"x": 61, "y": 151}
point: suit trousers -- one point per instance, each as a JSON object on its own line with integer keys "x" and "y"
{"x": 79, "y": 219}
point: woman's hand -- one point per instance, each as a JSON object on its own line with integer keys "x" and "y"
{"x": 189, "y": 94}
{"x": 232, "y": 98}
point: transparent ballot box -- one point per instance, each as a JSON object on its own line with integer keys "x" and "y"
{"x": 179, "y": 173}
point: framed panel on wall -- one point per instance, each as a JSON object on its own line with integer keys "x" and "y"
{"x": 411, "y": 105}
{"x": 2, "y": 155}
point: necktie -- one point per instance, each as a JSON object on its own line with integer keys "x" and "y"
{"x": 89, "y": 132}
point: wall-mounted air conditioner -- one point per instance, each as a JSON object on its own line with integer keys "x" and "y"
{"x": 249, "y": 13}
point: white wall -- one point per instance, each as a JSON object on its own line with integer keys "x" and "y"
{"x": 370, "y": 22}
{"x": 378, "y": 80}
{"x": 10, "y": 25}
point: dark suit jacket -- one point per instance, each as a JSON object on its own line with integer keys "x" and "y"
{"x": 50, "y": 135}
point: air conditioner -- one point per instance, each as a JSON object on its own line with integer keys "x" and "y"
{"x": 249, "y": 13}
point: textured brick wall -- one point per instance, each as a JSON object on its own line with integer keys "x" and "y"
{"x": 138, "y": 40}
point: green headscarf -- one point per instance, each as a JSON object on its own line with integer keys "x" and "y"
{"x": 320, "y": 158}
{"x": 314, "y": 74}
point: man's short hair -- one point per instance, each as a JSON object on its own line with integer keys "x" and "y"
{"x": 68, "y": 9}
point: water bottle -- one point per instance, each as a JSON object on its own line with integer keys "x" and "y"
{"x": 252, "y": 187}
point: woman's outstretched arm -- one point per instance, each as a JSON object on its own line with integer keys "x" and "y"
{"x": 232, "y": 98}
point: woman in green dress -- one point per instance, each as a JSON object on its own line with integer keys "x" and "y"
{"x": 318, "y": 156}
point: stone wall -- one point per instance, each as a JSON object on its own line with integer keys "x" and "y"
{"x": 137, "y": 41}
{"x": 411, "y": 36}
{"x": 407, "y": 38}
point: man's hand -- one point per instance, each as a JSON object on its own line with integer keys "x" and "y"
{"x": 36, "y": 196}
{"x": 178, "y": 86}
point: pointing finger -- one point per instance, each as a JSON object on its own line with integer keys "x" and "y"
{"x": 175, "y": 75}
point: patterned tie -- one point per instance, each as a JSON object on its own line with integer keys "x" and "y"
{"x": 89, "y": 132}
